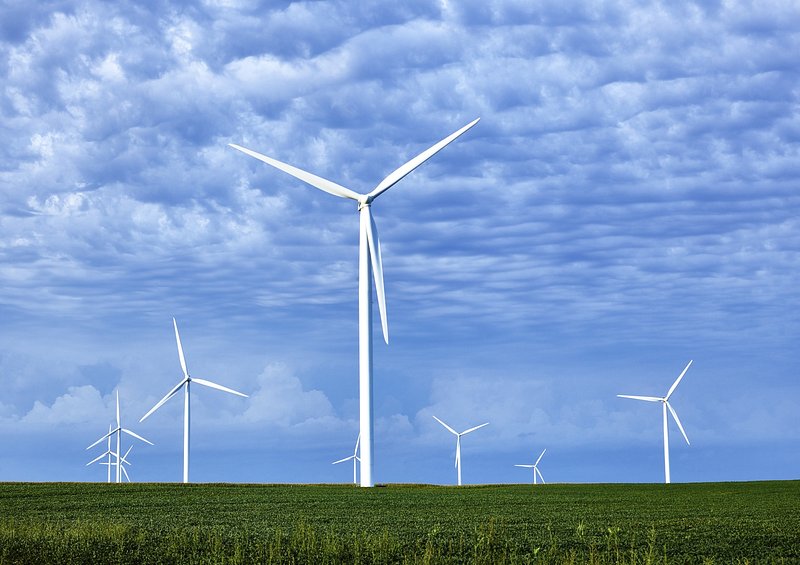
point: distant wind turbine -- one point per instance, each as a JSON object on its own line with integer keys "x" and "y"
{"x": 665, "y": 405}
{"x": 355, "y": 459}
{"x": 185, "y": 382}
{"x": 369, "y": 255}
{"x": 458, "y": 442}
{"x": 118, "y": 430}
{"x": 108, "y": 453}
{"x": 535, "y": 468}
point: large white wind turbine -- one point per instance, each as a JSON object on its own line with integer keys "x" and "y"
{"x": 355, "y": 459}
{"x": 369, "y": 266}
{"x": 118, "y": 430}
{"x": 665, "y": 405}
{"x": 185, "y": 382}
{"x": 458, "y": 442}
{"x": 535, "y": 468}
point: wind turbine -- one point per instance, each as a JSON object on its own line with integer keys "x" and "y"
{"x": 108, "y": 452}
{"x": 355, "y": 459}
{"x": 369, "y": 254}
{"x": 124, "y": 461}
{"x": 186, "y": 382}
{"x": 118, "y": 430}
{"x": 665, "y": 405}
{"x": 535, "y": 468}
{"x": 458, "y": 442}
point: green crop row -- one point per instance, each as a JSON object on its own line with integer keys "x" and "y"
{"x": 149, "y": 523}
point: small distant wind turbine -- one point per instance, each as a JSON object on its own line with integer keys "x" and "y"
{"x": 118, "y": 430}
{"x": 124, "y": 461}
{"x": 665, "y": 405}
{"x": 535, "y": 468}
{"x": 185, "y": 382}
{"x": 458, "y": 443}
{"x": 108, "y": 453}
{"x": 355, "y": 459}
{"x": 369, "y": 254}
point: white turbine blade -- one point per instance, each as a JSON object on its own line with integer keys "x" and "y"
{"x": 109, "y": 434}
{"x": 96, "y": 459}
{"x": 137, "y": 436}
{"x": 125, "y": 457}
{"x": 180, "y": 349}
{"x": 377, "y": 272}
{"x": 645, "y": 398}
{"x": 677, "y": 421}
{"x": 675, "y": 384}
{"x": 540, "y": 458}
{"x": 536, "y": 470}
{"x": 395, "y": 176}
{"x": 118, "y": 424}
{"x": 126, "y": 474}
{"x": 169, "y": 395}
{"x": 343, "y": 460}
{"x": 452, "y": 431}
{"x": 473, "y": 429}
{"x": 458, "y": 451}
{"x": 218, "y": 387}
{"x": 358, "y": 440}
{"x": 318, "y": 182}
{"x": 526, "y": 466}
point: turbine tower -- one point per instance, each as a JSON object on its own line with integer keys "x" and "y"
{"x": 185, "y": 384}
{"x": 458, "y": 443}
{"x": 355, "y": 459}
{"x": 535, "y": 468}
{"x": 665, "y": 405}
{"x": 370, "y": 267}
{"x": 119, "y": 430}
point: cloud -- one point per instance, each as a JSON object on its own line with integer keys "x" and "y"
{"x": 79, "y": 405}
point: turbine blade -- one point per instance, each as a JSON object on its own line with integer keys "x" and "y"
{"x": 109, "y": 434}
{"x": 536, "y": 470}
{"x": 540, "y": 458}
{"x": 452, "y": 431}
{"x": 169, "y": 395}
{"x": 677, "y": 421}
{"x": 458, "y": 451}
{"x": 473, "y": 429}
{"x": 180, "y": 349}
{"x": 377, "y": 272}
{"x": 218, "y": 387}
{"x": 118, "y": 424}
{"x": 315, "y": 181}
{"x": 395, "y": 176}
{"x": 675, "y": 384}
{"x": 126, "y": 474}
{"x": 526, "y": 466}
{"x": 342, "y": 460}
{"x": 137, "y": 436}
{"x": 358, "y": 440}
{"x": 645, "y": 398}
{"x": 96, "y": 459}
{"x": 125, "y": 457}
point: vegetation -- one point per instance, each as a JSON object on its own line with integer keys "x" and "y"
{"x": 215, "y": 523}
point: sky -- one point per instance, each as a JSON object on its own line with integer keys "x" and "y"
{"x": 629, "y": 201}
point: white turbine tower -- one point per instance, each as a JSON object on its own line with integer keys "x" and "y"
{"x": 185, "y": 383}
{"x": 108, "y": 453}
{"x": 458, "y": 443}
{"x": 535, "y": 468}
{"x": 369, "y": 255}
{"x": 118, "y": 430}
{"x": 665, "y": 405}
{"x": 355, "y": 459}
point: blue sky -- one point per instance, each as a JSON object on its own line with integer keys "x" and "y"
{"x": 628, "y": 202}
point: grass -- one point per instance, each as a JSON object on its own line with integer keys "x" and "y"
{"x": 221, "y": 523}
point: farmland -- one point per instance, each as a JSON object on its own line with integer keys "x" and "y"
{"x": 223, "y": 523}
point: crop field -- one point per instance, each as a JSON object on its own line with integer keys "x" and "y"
{"x": 222, "y": 523}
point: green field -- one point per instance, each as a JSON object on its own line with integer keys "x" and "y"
{"x": 222, "y": 523}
